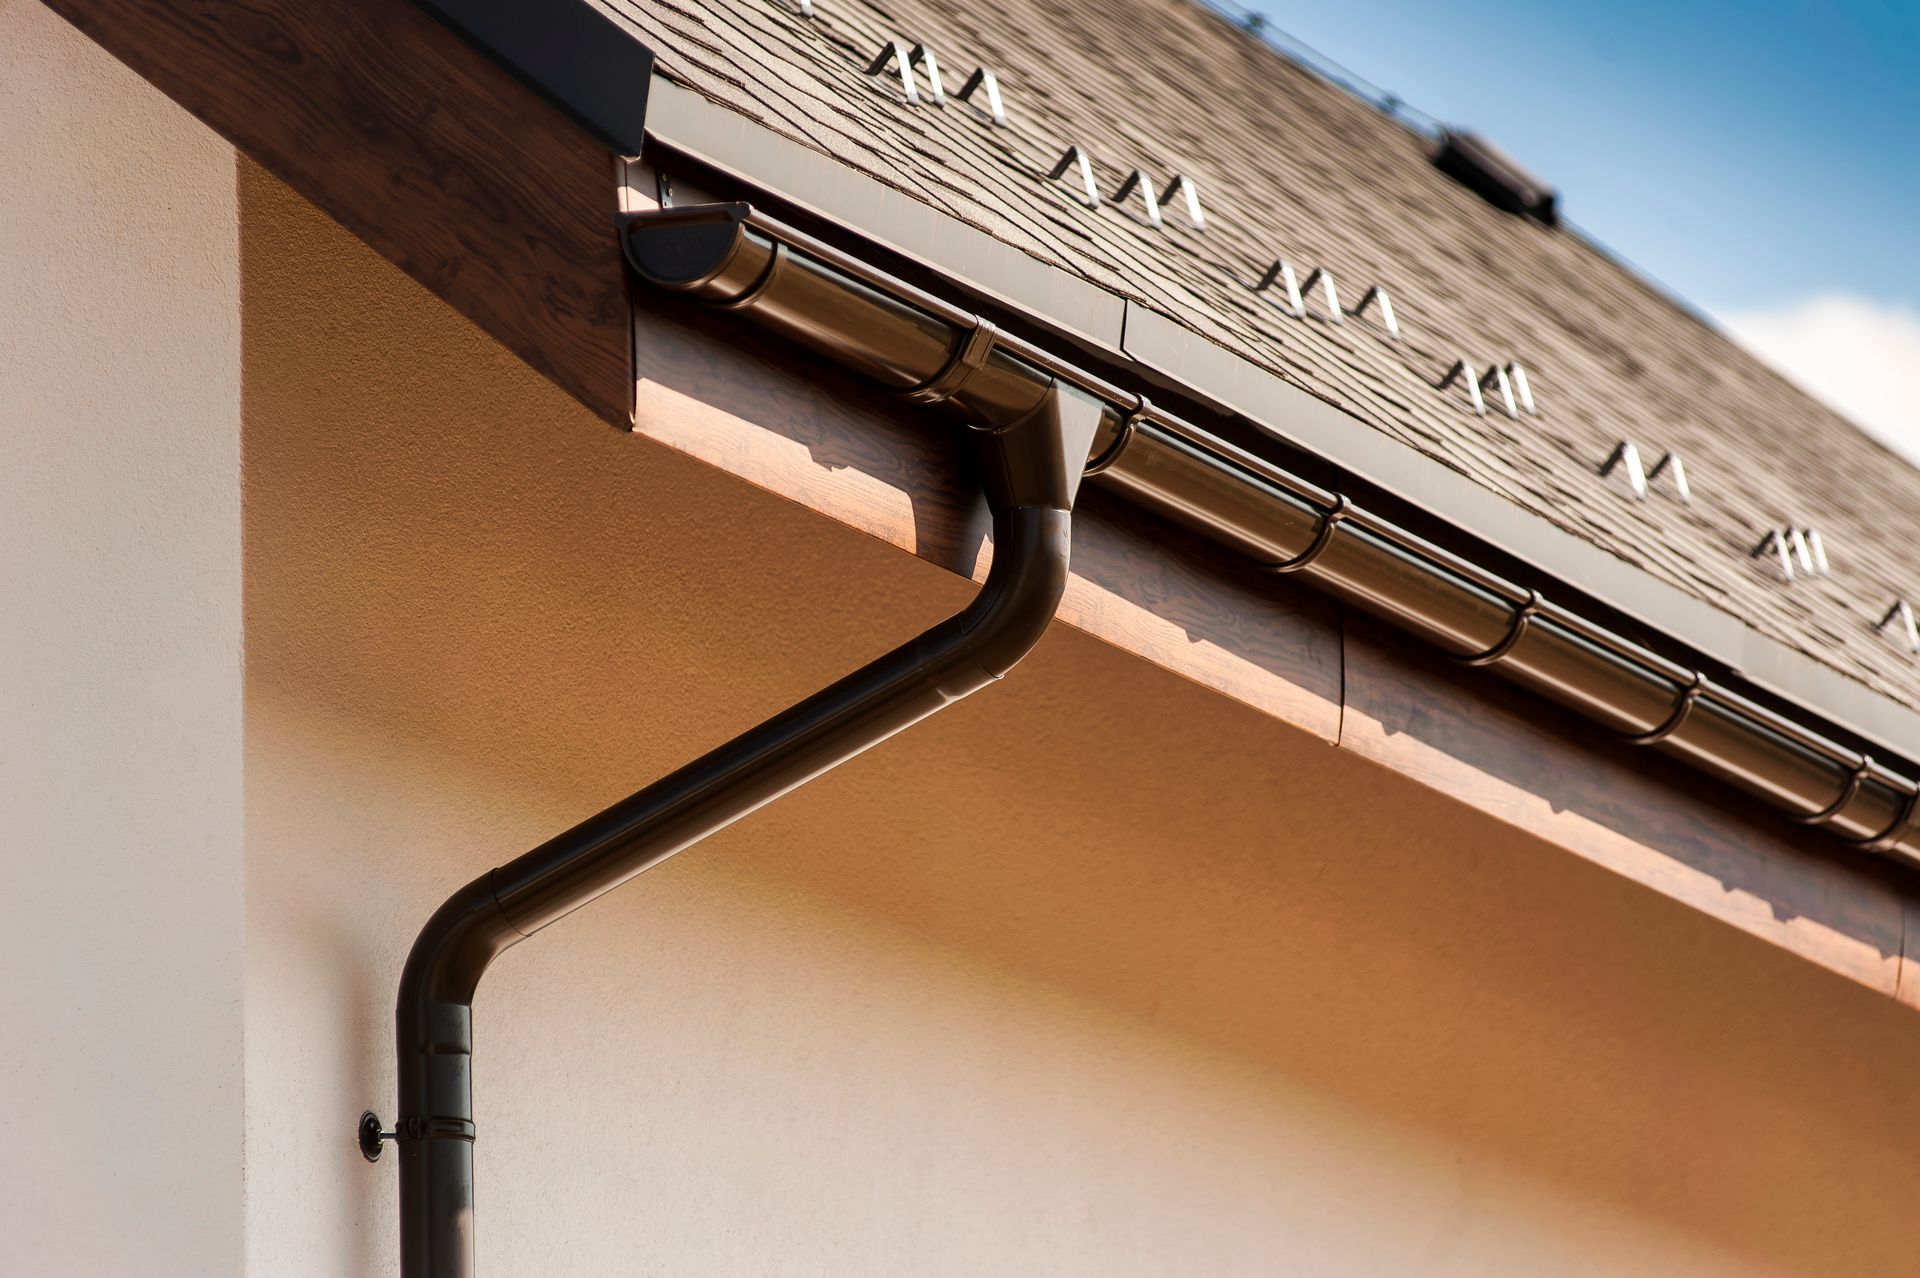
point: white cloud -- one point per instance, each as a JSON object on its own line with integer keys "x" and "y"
{"x": 1859, "y": 355}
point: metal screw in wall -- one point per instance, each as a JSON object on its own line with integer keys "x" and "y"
{"x": 371, "y": 1138}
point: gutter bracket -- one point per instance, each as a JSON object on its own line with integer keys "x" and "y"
{"x": 967, "y": 359}
{"x": 1523, "y": 614}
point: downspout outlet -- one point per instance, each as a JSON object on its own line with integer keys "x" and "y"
{"x": 1030, "y": 436}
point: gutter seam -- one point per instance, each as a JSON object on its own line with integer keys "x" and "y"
{"x": 1346, "y": 638}
{"x": 1905, "y": 962}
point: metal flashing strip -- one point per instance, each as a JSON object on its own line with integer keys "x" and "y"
{"x": 1216, "y": 377}
{"x": 732, "y": 144}
{"x": 567, "y": 51}
{"x": 1300, "y": 419}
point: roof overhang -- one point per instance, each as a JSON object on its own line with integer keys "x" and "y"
{"x": 1125, "y": 331}
{"x": 482, "y": 159}
{"x": 425, "y": 141}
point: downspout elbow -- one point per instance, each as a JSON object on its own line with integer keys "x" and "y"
{"x": 1031, "y": 460}
{"x": 1023, "y": 588}
{"x": 455, "y": 947}
{"x": 434, "y": 1023}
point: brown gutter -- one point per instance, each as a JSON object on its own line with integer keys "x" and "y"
{"x": 740, "y": 259}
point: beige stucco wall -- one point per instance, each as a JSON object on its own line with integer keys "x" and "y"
{"x": 1094, "y": 974}
{"x": 120, "y": 697}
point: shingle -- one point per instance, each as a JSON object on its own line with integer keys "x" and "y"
{"x": 1287, "y": 163}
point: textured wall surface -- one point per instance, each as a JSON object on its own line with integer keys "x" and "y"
{"x": 120, "y": 698}
{"x": 1096, "y": 973}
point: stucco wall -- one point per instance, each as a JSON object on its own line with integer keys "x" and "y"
{"x": 120, "y": 790}
{"x": 1094, "y": 974}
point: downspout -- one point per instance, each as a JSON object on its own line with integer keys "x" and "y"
{"x": 1030, "y": 436}
{"x": 1033, "y": 420}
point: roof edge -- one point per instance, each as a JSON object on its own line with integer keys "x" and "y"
{"x": 1136, "y": 334}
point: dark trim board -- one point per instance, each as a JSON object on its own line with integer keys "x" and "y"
{"x": 568, "y": 52}
{"x": 424, "y": 147}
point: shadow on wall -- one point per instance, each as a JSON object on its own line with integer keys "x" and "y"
{"x": 475, "y": 615}
{"x": 1727, "y": 843}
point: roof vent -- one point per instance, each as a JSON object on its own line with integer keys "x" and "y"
{"x": 1495, "y": 176}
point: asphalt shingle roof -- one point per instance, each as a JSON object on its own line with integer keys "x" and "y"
{"x": 1287, "y": 163}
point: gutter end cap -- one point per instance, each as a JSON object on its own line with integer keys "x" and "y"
{"x": 683, "y": 248}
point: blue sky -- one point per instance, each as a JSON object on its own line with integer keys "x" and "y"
{"x": 1761, "y": 160}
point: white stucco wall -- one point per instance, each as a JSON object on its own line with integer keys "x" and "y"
{"x": 120, "y": 693}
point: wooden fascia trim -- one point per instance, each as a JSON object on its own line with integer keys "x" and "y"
{"x": 430, "y": 150}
